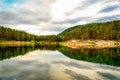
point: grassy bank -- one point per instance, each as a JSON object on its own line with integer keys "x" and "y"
{"x": 15, "y": 43}
{"x": 71, "y": 43}
{"x": 27, "y": 43}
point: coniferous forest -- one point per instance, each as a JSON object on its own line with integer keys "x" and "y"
{"x": 7, "y": 34}
{"x": 105, "y": 31}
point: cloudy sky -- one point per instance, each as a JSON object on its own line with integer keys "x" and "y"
{"x": 45, "y": 17}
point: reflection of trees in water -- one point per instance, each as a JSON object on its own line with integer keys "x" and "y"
{"x": 110, "y": 56}
{"x": 7, "y": 52}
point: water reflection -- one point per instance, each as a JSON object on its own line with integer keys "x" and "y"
{"x": 50, "y": 63}
{"x": 110, "y": 56}
{"x": 7, "y": 52}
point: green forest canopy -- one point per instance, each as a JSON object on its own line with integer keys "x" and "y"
{"x": 107, "y": 31}
{"x": 8, "y": 34}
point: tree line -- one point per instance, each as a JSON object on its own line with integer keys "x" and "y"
{"x": 106, "y": 31}
{"x": 8, "y": 34}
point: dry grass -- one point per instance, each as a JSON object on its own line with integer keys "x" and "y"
{"x": 15, "y": 43}
{"x": 91, "y": 43}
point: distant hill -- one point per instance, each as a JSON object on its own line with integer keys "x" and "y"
{"x": 107, "y": 30}
{"x": 12, "y": 34}
{"x": 8, "y": 34}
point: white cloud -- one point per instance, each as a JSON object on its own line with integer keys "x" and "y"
{"x": 44, "y": 17}
{"x": 60, "y": 7}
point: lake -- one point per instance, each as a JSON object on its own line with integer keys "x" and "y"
{"x": 59, "y": 63}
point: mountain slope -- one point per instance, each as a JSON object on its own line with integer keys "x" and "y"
{"x": 12, "y": 34}
{"x": 107, "y": 30}
{"x": 8, "y": 34}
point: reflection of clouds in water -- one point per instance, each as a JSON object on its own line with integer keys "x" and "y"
{"x": 41, "y": 72}
{"x": 46, "y": 65}
{"x": 72, "y": 64}
{"x": 90, "y": 70}
{"x": 29, "y": 70}
{"x": 82, "y": 65}
{"x": 43, "y": 56}
{"x": 33, "y": 66}
{"x": 109, "y": 76}
{"x": 76, "y": 76}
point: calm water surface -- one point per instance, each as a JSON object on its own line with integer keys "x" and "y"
{"x": 59, "y": 63}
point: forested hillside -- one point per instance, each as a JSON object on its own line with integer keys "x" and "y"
{"x": 7, "y": 34}
{"x": 11, "y": 34}
{"x": 107, "y": 30}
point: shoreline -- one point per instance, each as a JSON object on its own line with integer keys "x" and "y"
{"x": 15, "y": 43}
{"x": 76, "y": 44}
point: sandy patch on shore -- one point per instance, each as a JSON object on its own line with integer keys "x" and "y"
{"x": 91, "y": 43}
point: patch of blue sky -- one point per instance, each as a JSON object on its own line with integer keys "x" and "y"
{"x": 108, "y": 18}
{"x": 12, "y": 1}
{"x": 109, "y": 9}
{"x": 92, "y": 1}
{"x": 9, "y": 1}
